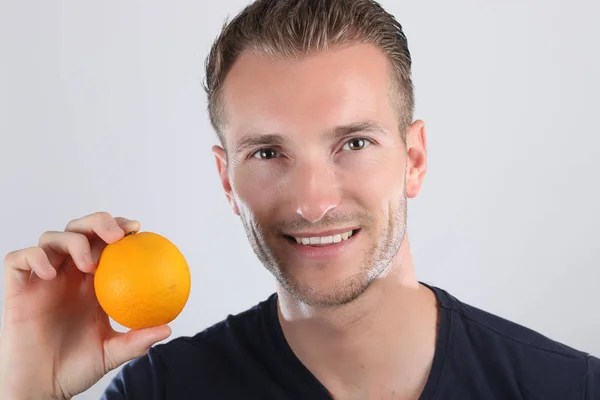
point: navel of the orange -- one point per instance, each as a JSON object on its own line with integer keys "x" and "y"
{"x": 143, "y": 280}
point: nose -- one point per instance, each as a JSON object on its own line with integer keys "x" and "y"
{"x": 314, "y": 191}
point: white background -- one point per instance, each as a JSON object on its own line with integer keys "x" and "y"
{"x": 101, "y": 109}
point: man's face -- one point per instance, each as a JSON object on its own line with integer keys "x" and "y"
{"x": 314, "y": 156}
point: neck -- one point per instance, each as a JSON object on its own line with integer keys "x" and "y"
{"x": 381, "y": 345}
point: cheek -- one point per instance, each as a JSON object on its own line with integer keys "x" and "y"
{"x": 258, "y": 188}
{"x": 375, "y": 176}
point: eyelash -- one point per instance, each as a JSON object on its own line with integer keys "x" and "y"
{"x": 367, "y": 140}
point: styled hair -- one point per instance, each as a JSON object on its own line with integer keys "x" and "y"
{"x": 291, "y": 29}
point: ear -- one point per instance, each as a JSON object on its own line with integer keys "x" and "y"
{"x": 416, "y": 162}
{"x": 221, "y": 160}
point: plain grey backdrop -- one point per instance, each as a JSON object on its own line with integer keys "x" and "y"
{"x": 102, "y": 109}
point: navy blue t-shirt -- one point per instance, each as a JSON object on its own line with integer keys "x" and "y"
{"x": 478, "y": 356}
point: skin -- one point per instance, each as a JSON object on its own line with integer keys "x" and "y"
{"x": 359, "y": 321}
{"x": 54, "y": 332}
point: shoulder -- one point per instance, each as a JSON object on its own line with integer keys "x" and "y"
{"x": 211, "y": 355}
{"x": 504, "y": 354}
{"x": 592, "y": 381}
{"x": 509, "y": 333}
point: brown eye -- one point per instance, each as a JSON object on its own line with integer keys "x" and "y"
{"x": 356, "y": 144}
{"x": 265, "y": 154}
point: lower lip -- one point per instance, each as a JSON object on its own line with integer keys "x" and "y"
{"x": 322, "y": 252}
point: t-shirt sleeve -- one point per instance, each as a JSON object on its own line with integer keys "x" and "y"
{"x": 592, "y": 381}
{"x": 136, "y": 380}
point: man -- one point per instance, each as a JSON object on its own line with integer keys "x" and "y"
{"x": 312, "y": 101}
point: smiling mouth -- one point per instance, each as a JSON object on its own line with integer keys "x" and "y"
{"x": 320, "y": 241}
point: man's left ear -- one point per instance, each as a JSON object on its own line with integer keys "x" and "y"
{"x": 221, "y": 160}
{"x": 416, "y": 162}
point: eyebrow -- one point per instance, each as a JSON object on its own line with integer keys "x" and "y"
{"x": 275, "y": 139}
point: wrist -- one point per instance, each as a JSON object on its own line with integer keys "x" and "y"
{"x": 9, "y": 389}
{"x": 20, "y": 395}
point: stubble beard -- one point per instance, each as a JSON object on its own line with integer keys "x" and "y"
{"x": 375, "y": 261}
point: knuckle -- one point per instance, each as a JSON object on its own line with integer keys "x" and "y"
{"x": 36, "y": 252}
{"x": 9, "y": 258}
{"x": 121, "y": 220}
{"x": 71, "y": 224}
{"x": 12, "y": 258}
{"x": 45, "y": 236}
{"x": 95, "y": 218}
{"x": 102, "y": 215}
{"x": 73, "y": 241}
{"x": 105, "y": 220}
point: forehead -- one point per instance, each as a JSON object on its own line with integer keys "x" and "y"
{"x": 311, "y": 94}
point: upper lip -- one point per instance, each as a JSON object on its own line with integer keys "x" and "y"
{"x": 320, "y": 234}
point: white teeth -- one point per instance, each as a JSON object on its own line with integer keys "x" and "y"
{"x": 324, "y": 239}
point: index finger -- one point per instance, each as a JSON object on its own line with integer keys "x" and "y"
{"x": 103, "y": 225}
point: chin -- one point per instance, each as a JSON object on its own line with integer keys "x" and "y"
{"x": 326, "y": 291}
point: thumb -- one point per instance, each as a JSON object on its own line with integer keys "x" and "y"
{"x": 123, "y": 347}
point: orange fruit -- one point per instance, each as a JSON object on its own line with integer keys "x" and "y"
{"x": 142, "y": 280}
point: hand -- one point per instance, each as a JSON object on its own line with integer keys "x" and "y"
{"x": 56, "y": 341}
